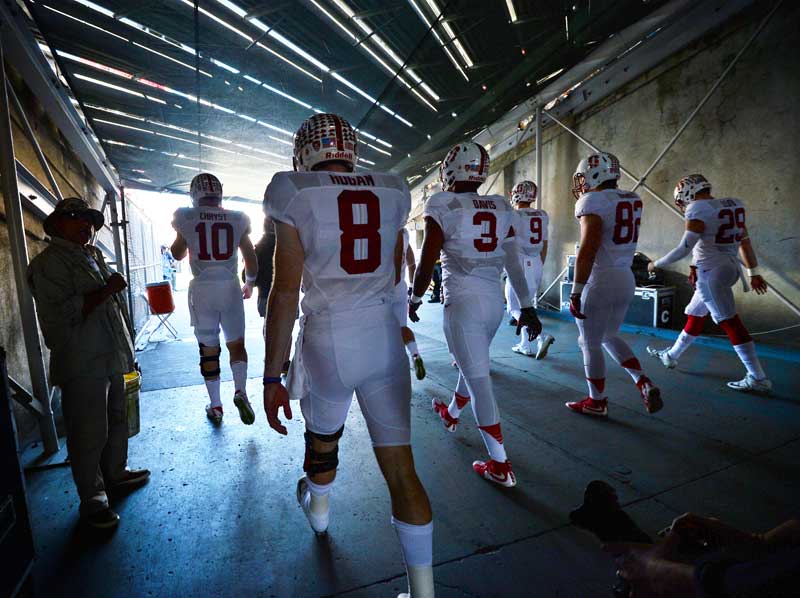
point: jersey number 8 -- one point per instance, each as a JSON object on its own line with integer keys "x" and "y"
{"x": 360, "y": 223}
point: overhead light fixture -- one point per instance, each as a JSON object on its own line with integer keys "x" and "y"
{"x": 483, "y": 87}
{"x": 432, "y": 29}
{"x": 449, "y": 31}
{"x": 512, "y": 14}
{"x": 550, "y": 76}
{"x": 453, "y": 114}
{"x": 87, "y": 23}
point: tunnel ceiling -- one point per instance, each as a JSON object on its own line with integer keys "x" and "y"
{"x": 266, "y": 66}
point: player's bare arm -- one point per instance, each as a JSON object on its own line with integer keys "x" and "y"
{"x": 431, "y": 249}
{"x": 411, "y": 263}
{"x": 694, "y": 230}
{"x": 544, "y": 250}
{"x": 250, "y": 265}
{"x": 591, "y": 239}
{"x": 398, "y": 258}
{"x": 516, "y": 276}
{"x": 748, "y": 255}
{"x": 179, "y": 247}
{"x": 283, "y": 298}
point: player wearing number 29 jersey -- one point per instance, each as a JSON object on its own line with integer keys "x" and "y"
{"x": 339, "y": 234}
{"x": 604, "y": 285}
{"x": 715, "y": 233}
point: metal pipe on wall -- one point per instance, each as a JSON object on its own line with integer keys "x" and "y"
{"x": 124, "y": 224}
{"x": 19, "y": 258}
{"x": 539, "y": 154}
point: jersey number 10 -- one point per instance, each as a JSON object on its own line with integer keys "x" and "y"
{"x": 362, "y": 237}
{"x": 217, "y": 229}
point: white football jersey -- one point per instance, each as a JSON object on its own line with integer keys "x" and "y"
{"x": 348, "y": 225}
{"x": 724, "y": 221}
{"x": 476, "y": 229}
{"x": 531, "y": 231}
{"x": 212, "y": 236}
{"x": 621, "y": 212}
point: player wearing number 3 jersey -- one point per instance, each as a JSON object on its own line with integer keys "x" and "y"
{"x": 604, "y": 284}
{"x": 474, "y": 234}
{"x": 213, "y": 236}
{"x": 339, "y": 234}
{"x": 715, "y": 233}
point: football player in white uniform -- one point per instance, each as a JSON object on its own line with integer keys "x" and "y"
{"x": 715, "y": 234}
{"x": 212, "y": 235}
{"x": 339, "y": 234}
{"x": 409, "y": 267}
{"x": 531, "y": 234}
{"x": 474, "y": 234}
{"x": 604, "y": 284}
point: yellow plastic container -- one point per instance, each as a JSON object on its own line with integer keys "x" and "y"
{"x": 133, "y": 383}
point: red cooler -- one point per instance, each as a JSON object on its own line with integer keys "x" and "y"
{"x": 159, "y": 296}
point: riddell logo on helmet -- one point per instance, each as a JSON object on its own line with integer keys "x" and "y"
{"x": 339, "y": 156}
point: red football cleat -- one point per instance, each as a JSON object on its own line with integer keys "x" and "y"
{"x": 650, "y": 394}
{"x": 448, "y": 420}
{"x": 494, "y": 471}
{"x": 590, "y": 406}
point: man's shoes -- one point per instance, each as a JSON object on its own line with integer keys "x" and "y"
{"x": 246, "y": 412}
{"x": 751, "y": 384}
{"x": 601, "y": 515}
{"x": 518, "y": 348}
{"x": 214, "y": 414}
{"x": 494, "y": 471}
{"x": 319, "y": 523}
{"x": 450, "y": 422}
{"x": 512, "y": 321}
{"x": 105, "y": 519}
{"x": 419, "y": 367}
{"x": 434, "y": 300}
{"x": 663, "y": 356}
{"x": 543, "y": 344}
{"x": 590, "y": 406}
{"x": 131, "y": 477}
{"x": 650, "y": 394}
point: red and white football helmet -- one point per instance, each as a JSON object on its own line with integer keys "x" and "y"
{"x": 688, "y": 187}
{"x": 465, "y": 162}
{"x": 206, "y": 187}
{"x": 524, "y": 192}
{"x": 593, "y": 170}
{"x": 325, "y": 138}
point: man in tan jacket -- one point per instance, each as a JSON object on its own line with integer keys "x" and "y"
{"x": 86, "y": 327}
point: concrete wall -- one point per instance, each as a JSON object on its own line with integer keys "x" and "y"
{"x": 744, "y": 140}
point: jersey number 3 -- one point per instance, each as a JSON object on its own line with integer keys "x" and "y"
{"x": 216, "y": 250}
{"x": 629, "y": 218}
{"x": 487, "y": 242}
{"x": 360, "y": 223}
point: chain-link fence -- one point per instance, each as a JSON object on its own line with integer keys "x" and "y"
{"x": 144, "y": 254}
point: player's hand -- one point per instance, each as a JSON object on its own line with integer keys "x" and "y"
{"x": 116, "y": 283}
{"x": 651, "y": 267}
{"x": 693, "y": 276}
{"x": 758, "y": 284}
{"x": 528, "y": 317}
{"x": 412, "y": 310}
{"x": 575, "y": 307}
{"x": 247, "y": 290}
{"x": 275, "y": 397}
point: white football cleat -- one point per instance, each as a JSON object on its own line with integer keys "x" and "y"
{"x": 319, "y": 522}
{"x": 663, "y": 356}
{"x": 246, "y": 412}
{"x": 751, "y": 384}
{"x": 543, "y": 344}
{"x": 518, "y": 348}
{"x": 214, "y": 414}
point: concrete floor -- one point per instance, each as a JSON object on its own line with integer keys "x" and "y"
{"x": 219, "y": 517}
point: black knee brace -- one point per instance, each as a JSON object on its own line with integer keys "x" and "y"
{"x": 209, "y": 374}
{"x": 327, "y": 461}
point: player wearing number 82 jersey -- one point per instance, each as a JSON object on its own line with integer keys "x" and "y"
{"x": 604, "y": 284}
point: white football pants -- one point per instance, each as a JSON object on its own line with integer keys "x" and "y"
{"x": 213, "y": 304}
{"x": 714, "y": 292}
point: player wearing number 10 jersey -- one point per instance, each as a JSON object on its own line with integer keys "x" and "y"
{"x": 715, "y": 233}
{"x": 340, "y": 235}
{"x": 604, "y": 284}
{"x": 212, "y": 236}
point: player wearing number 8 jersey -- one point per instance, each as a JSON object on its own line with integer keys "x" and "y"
{"x": 212, "y": 236}
{"x": 604, "y": 284}
{"x": 715, "y": 233}
{"x": 474, "y": 234}
{"x": 339, "y": 234}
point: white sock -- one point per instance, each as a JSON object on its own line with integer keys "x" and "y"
{"x": 411, "y": 349}
{"x": 212, "y": 386}
{"x": 457, "y": 405}
{"x": 239, "y": 371}
{"x": 683, "y": 342}
{"x": 747, "y": 353}
{"x": 493, "y": 439}
{"x": 416, "y": 542}
{"x": 320, "y": 497}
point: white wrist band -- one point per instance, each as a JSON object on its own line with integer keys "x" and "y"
{"x": 577, "y": 287}
{"x": 752, "y": 272}
{"x": 415, "y": 299}
{"x": 249, "y": 278}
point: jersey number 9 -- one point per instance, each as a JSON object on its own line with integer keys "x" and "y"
{"x": 360, "y": 223}
{"x": 536, "y": 230}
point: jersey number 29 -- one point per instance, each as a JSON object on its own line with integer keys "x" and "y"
{"x": 360, "y": 223}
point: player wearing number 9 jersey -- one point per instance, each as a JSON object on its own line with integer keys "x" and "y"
{"x": 715, "y": 233}
{"x": 474, "y": 234}
{"x": 604, "y": 285}
{"x": 339, "y": 234}
{"x": 213, "y": 236}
